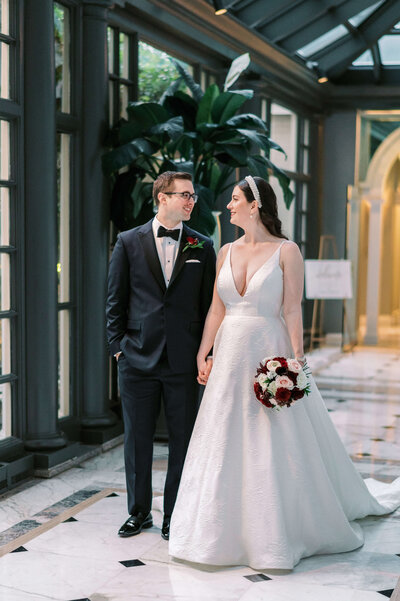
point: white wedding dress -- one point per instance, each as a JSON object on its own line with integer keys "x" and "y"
{"x": 262, "y": 487}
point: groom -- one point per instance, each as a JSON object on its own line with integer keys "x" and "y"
{"x": 160, "y": 285}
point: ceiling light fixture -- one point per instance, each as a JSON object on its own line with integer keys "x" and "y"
{"x": 219, "y": 7}
{"x": 322, "y": 79}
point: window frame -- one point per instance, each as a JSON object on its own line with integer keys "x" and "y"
{"x": 11, "y": 111}
{"x": 69, "y": 124}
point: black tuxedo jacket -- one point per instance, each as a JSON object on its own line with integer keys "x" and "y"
{"x": 143, "y": 315}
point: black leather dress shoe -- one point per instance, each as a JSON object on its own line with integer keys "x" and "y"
{"x": 135, "y": 524}
{"x": 165, "y": 528}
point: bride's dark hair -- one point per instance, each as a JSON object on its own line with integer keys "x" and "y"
{"x": 269, "y": 209}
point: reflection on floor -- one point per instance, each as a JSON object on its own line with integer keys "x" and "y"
{"x": 58, "y": 537}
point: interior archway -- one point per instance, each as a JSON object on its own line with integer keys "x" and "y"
{"x": 382, "y": 186}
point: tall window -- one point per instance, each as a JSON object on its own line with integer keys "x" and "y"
{"x": 62, "y": 57}
{"x": 292, "y": 132}
{"x": 156, "y": 72}
{"x": 65, "y": 129}
{"x": 6, "y": 251}
{"x": 122, "y": 61}
{"x": 7, "y": 44}
{"x": 303, "y": 186}
{"x": 7, "y": 212}
{"x": 283, "y": 127}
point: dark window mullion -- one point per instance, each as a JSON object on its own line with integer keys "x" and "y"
{"x": 116, "y": 102}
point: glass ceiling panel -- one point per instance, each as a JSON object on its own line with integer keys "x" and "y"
{"x": 323, "y": 41}
{"x": 364, "y": 60}
{"x": 364, "y": 14}
{"x": 389, "y": 47}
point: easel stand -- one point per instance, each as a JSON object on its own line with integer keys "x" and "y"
{"x": 327, "y": 250}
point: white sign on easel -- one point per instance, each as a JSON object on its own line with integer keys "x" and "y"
{"x": 328, "y": 279}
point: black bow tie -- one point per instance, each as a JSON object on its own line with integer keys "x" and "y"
{"x": 170, "y": 233}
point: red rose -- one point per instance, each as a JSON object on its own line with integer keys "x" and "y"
{"x": 281, "y": 360}
{"x": 297, "y": 394}
{"x": 192, "y": 240}
{"x": 282, "y": 394}
{"x": 267, "y": 403}
{"x": 292, "y": 375}
{"x": 281, "y": 371}
{"x": 258, "y": 391}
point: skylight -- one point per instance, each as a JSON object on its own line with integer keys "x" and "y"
{"x": 364, "y": 60}
{"x": 389, "y": 47}
{"x": 323, "y": 41}
{"x": 364, "y": 14}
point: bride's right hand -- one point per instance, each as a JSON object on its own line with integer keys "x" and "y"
{"x": 204, "y": 367}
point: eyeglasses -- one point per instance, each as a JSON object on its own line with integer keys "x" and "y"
{"x": 184, "y": 195}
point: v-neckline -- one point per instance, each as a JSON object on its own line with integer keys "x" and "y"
{"x": 254, "y": 274}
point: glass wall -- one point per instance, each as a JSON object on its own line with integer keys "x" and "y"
{"x": 122, "y": 52}
{"x": 292, "y": 132}
{"x": 62, "y": 57}
{"x": 8, "y": 129}
{"x": 65, "y": 145}
{"x": 63, "y": 271}
{"x": 283, "y": 128}
{"x": 157, "y": 72}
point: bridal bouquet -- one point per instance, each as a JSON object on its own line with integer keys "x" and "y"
{"x": 280, "y": 381}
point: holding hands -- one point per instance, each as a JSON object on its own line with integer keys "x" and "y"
{"x": 204, "y": 367}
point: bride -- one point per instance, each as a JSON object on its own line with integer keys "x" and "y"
{"x": 262, "y": 487}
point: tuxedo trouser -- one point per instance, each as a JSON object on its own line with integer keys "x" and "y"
{"x": 141, "y": 401}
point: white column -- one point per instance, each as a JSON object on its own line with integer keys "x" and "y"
{"x": 373, "y": 272}
{"x": 353, "y": 244}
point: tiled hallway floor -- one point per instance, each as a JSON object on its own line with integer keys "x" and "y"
{"x": 58, "y": 537}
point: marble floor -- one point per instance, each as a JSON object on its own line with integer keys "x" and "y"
{"x": 58, "y": 537}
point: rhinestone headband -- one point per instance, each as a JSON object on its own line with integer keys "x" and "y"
{"x": 253, "y": 187}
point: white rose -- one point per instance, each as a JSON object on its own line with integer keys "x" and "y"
{"x": 262, "y": 380}
{"x": 272, "y": 387}
{"x": 284, "y": 382}
{"x": 301, "y": 380}
{"x": 273, "y": 365}
{"x": 294, "y": 365}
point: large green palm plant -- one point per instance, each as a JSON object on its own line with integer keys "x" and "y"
{"x": 200, "y": 133}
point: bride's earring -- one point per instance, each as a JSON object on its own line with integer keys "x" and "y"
{"x": 251, "y": 216}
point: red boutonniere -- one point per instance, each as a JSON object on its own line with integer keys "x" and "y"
{"x": 193, "y": 243}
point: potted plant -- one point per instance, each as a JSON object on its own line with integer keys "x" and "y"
{"x": 201, "y": 133}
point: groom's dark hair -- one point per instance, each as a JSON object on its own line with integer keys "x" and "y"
{"x": 164, "y": 181}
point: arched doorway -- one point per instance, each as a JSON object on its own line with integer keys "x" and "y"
{"x": 374, "y": 248}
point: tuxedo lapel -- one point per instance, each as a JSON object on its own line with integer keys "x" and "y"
{"x": 146, "y": 238}
{"x": 181, "y": 256}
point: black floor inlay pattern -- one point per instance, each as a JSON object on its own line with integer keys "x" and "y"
{"x": 387, "y": 593}
{"x": 257, "y": 577}
{"x": 130, "y": 563}
{"x": 378, "y": 439}
{"x": 341, "y": 400}
{"x": 85, "y": 599}
{"x": 46, "y": 514}
{"x": 71, "y": 519}
{"x": 19, "y": 550}
{"x": 113, "y": 494}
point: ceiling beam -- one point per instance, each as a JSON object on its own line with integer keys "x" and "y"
{"x": 319, "y": 23}
{"x": 377, "y": 69}
{"x": 259, "y": 11}
{"x": 335, "y": 59}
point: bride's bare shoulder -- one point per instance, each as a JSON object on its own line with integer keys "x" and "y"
{"x": 222, "y": 254}
{"x": 290, "y": 252}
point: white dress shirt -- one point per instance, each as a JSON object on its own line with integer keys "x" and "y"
{"x": 167, "y": 249}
